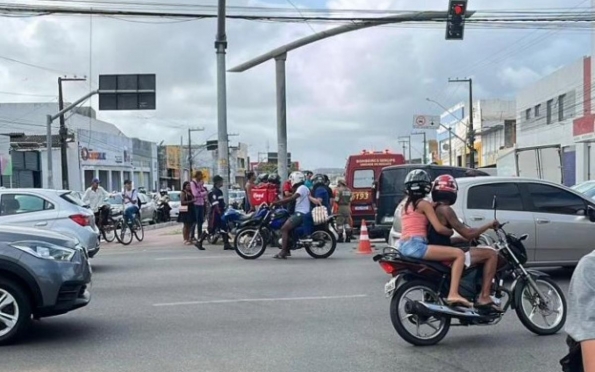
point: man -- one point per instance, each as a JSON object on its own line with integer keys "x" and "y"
{"x": 327, "y": 187}
{"x": 343, "y": 198}
{"x": 308, "y": 181}
{"x": 444, "y": 194}
{"x": 320, "y": 192}
{"x": 251, "y": 179}
{"x": 215, "y": 216}
{"x": 94, "y": 197}
{"x": 131, "y": 199}
{"x": 302, "y": 199}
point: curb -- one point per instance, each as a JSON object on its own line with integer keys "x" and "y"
{"x": 160, "y": 225}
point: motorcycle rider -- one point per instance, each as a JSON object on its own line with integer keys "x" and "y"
{"x": 302, "y": 199}
{"x": 94, "y": 197}
{"x": 163, "y": 202}
{"x": 215, "y": 216}
{"x": 275, "y": 179}
{"x": 320, "y": 192}
{"x": 444, "y": 195}
{"x": 343, "y": 197}
{"x": 415, "y": 215}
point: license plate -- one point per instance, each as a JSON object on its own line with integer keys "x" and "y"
{"x": 390, "y": 287}
{"x": 361, "y": 208}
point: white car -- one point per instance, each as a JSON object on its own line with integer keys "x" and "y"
{"x": 174, "y": 204}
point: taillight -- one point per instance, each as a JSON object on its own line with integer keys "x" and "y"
{"x": 388, "y": 268}
{"x": 81, "y": 219}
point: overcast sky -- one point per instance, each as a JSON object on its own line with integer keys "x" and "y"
{"x": 356, "y": 91}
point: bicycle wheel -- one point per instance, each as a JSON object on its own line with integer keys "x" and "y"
{"x": 124, "y": 233}
{"x": 139, "y": 230}
{"x": 109, "y": 231}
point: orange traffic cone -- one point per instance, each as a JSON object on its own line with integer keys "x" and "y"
{"x": 364, "y": 246}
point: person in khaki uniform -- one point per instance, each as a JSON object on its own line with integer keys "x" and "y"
{"x": 343, "y": 198}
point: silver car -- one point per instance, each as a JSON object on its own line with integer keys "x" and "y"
{"x": 174, "y": 204}
{"x": 55, "y": 210}
{"x": 559, "y": 220}
{"x": 147, "y": 210}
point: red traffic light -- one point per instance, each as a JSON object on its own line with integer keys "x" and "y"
{"x": 459, "y": 10}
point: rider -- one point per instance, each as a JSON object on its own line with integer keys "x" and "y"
{"x": 343, "y": 198}
{"x": 415, "y": 215}
{"x": 164, "y": 201}
{"x": 275, "y": 179}
{"x": 215, "y": 216}
{"x": 320, "y": 192}
{"x": 94, "y": 197}
{"x": 302, "y": 200}
{"x": 131, "y": 199}
{"x": 444, "y": 194}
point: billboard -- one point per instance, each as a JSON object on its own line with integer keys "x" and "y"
{"x": 104, "y": 149}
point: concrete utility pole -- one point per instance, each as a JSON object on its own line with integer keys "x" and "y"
{"x": 281, "y": 116}
{"x": 449, "y": 129}
{"x": 470, "y": 131}
{"x": 64, "y": 132}
{"x": 406, "y": 140}
{"x": 425, "y": 144}
{"x": 221, "y": 46}
{"x": 190, "y": 130}
{"x": 229, "y": 148}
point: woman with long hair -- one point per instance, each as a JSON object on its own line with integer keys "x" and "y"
{"x": 415, "y": 215}
{"x": 200, "y": 196}
{"x": 186, "y": 215}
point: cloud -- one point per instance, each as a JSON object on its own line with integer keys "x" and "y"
{"x": 355, "y": 91}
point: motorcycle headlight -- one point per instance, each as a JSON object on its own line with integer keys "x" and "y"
{"x": 45, "y": 250}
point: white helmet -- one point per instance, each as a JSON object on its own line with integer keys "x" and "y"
{"x": 296, "y": 177}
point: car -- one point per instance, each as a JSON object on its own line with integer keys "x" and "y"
{"x": 174, "y": 203}
{"x": 559, "y": 220}
{"x": 236, "y": 198}
{"x": 42, "y": 273}
{"x": 147, "y": 209}
{"x": 587, "y": 188}
{"x": 48, "y": 209}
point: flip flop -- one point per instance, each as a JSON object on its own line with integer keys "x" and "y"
{"x": 462, "y": 303}
{"x": 280, "y": 257}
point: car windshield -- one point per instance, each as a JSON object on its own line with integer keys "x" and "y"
{"x": 174, "y": 196}
{"x": 392, "y": 180}
{"x": 114, "y": 199}
{"x": 584, "y": 187}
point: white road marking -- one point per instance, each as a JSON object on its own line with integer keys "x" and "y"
{"x": 193, "y": 258}
{"x": 279, "y": 299}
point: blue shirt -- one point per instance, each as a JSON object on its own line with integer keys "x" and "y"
{"x": 321, "y": 193}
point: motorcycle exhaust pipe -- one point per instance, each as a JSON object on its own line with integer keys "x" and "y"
{"x": 426, "y": 309}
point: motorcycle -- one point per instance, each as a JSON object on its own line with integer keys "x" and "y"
{"x": 533, "y": 294}
{"x": 162, "y": 212}
{"x": 233, "y": 219}
{"x": 264, "y": 229}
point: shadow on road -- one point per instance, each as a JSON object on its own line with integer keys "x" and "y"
{"x": 67, "y": 331}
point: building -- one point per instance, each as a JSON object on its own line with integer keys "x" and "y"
{"x": 169, "y": 159}
{"x": 145, "y": 166}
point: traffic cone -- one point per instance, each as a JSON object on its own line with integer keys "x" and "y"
{"x": 364, "y": 246}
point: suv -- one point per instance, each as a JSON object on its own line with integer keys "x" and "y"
{"x": 42, "y": 274}
{"x": 390, "y": 189}
{"x": 558, "y": 220}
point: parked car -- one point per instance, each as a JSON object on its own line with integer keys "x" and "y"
{"x": 236, "y": 198}
{"x": 559, "y": 220}
{"x": 42, "y": 273}
{"x": 56, "y": 210}
{"x": 586, "y": 188}
{"x": 174, "y": 203}
{"x": 147, "y": 209}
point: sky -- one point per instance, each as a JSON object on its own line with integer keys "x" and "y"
{"x": 356, "y": 91}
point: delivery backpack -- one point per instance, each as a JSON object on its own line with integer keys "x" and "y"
{"x": 263, "y": 193}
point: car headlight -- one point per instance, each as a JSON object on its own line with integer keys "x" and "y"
{"x": 45, "y": 250}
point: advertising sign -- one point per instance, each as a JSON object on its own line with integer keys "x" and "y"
{"x": 104, "y": 149}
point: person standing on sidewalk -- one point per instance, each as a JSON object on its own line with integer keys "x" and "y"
{"x": 251, "y": 177}
{"x": 200, "y": 194}
{"x": 186, "y": 215}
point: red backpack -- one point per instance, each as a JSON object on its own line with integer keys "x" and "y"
{"x": 263, "y": 193}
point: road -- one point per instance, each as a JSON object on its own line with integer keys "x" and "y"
{"x": 161, "y": 306}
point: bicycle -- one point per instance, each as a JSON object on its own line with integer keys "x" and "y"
{"x": 136, "y": 229}
{"x": 107, "y": 224}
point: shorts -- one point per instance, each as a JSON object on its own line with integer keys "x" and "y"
{"x": 296, "y": 219}
{"x": 415, "y": 247}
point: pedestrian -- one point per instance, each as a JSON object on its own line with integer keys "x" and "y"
{"x": 216, "y": 224}
{"x": 251, "y": 179}
{"x": 186, "y": 215}
{"x": 200, "y": 194}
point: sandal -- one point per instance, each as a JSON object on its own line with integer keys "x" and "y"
{"x": 458, "y": 302}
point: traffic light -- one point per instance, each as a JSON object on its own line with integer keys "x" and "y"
{"x": 455, "y": 22}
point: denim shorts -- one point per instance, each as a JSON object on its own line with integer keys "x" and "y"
{"x": 415, "y": 247}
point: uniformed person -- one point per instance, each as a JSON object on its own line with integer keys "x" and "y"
{"x": 343, "y": 198}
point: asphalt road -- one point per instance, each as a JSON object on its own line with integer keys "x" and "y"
{"x": 161, "y": 306}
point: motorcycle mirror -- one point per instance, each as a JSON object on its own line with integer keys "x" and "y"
{"x": 495, "y": 205}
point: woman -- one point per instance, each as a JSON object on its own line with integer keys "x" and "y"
{"x": 186, "y": 217}
{"x": 415, "y": 216}
{"x": 200, "y": 195}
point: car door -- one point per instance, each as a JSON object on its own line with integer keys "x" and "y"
{"x": 24, "y": 209}
{"x": 564, "y": 233}
{"x": 145, "y": 208}
{"x": 478, "y": 210}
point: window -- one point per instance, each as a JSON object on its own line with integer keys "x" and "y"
{"x": 363, "y": 178}
{"x": 18, "y": 204}
{"x": 550, "y": 199}
{"x": 508, "y": 194}
{"x": 561, "y": 100}
{"x": 73, "y": 198}
{"x": 528, "y": 114}
{"x": 391, "y": 181}
{"x": 550, "y": 104}
{"x": 537, "y": 110}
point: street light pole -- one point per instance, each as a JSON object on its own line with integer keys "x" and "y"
{"x": 229, "y": 155}
{"x": 190, "y": 130}
{"x": 470, "y": 131}
{"x": 221, "y": 46}
{"x": 64, "y": 132}
{"x": 406, "y": 139}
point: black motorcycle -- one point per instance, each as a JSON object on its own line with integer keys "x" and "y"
{"x": 161, "y": 213}
{"x": 421, "y": 316}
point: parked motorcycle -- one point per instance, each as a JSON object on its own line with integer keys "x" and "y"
{"x": 264, "y": 229}
{"x": 425, "y": 319}
{"x": 162, "y": 212}
{"x": 233, "y": 219}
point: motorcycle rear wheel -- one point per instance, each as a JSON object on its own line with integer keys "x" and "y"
{"x": 328, "y": 238}
{"x": 399, "y": 300}
{"x": 249, "y": 244}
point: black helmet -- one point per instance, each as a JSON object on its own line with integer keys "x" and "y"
{"x": 418, "y": 183}
{"x": 274, "y": 178}
{"x": 262, "y": 178}
{"x": 319, "y": 178}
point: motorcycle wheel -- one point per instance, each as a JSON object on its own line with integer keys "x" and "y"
{"x": 403, "y": 318}
{"x": 249, "y": 244}
{"x": 530, "y": 309}
{"x": 328, "y": 241}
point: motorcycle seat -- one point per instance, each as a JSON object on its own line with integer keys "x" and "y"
{"x": 246, "y": 217}
{"x": 438, "y": 266}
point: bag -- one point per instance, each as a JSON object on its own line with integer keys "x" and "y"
{"x": 183, "y": 209}
{"x": 573, "y": 361}
{"x": 265, "y": 193}
{"x": 319, "y": 215}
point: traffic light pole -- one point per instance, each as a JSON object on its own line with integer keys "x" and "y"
{"x": 470, "y": 130}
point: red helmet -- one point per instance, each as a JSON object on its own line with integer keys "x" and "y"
{"x": 445, "y": 183}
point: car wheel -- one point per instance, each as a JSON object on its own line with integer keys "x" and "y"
{"x": 15, "y": 311}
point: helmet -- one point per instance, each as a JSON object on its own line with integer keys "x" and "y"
{"x": 163, "y": 191}
{"x": 262, "y": 178}
{"x": 445, "y": 189}
{"x": 417, "y": 182}
{"x": 319, "y": 178}
{"x": 341, "y": 181}
{"x": 326, "y": 179}
{"x": 296, "y": 177}
{"x": 274, "y": 179}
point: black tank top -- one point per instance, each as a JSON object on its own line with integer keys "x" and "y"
{"x": 438, "y": 239}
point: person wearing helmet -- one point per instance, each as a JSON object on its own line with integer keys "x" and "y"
{"x": 343, "y": 197}
{"x": 275, "y": 179}
{"x": 302, "y": 199}
{"x": 262, "y": 178}
{"x": 215, "y": 222}
{"x": 444, "y": 194}
{"x": 415, "y": 215}
{"x": 320, "y": 192}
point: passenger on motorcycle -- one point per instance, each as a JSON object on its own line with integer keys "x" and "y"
{"x": 444, "y": 195}
{"x": 302, "y": 199}
{"x": 414, "y": 235}
{"x": 320, "y": 192}
{"x": 275, "y": 179}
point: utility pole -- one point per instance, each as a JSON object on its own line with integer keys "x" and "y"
{"x": 64, "y": 132}
{"x": 470, "y": 131}
{"x": 221, "y": 46}
{"x": 229, "y": 155}
{"x": 425, "y": 144}
{"x": 181, "y": 161}
{"x": 190, "y": 130}
{"x": 403, "y": 140}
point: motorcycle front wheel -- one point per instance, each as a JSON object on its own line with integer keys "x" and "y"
{"x": 541, "y": 317}
{"x": 418, "y": 330}
{"x": 323, "y": 245}
{"x": 249, "y": 244}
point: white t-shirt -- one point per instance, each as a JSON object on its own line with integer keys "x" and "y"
{"x": 132, "y": 195}
{"x": 302, "y": 204}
